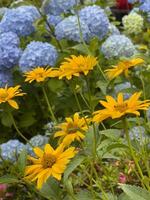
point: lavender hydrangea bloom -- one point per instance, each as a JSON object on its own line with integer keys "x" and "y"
{"x": 145, "y": 7}
{"x": 57, "y": 7}
{"x": 19, "y": 20}
{"x": 6, "y": 78}
{"x": 54, "y": 19}
{"x": 96, "y": 20}
{"x": 9, "y": 38}
{"x": 11, "y": 149}
{"x": 122, "y": 87}
{"x": 118, "y": 46}
{"x": 9, "y": 51}
{"x": 36, "y": 141}
{"x": 69, "y": 29}
{"x": 38, "y": 54}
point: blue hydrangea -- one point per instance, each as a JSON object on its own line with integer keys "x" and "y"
{"x": 96, "y": 20}
{"x": 9, "y": 51}
{"x": 122, "y": 87}
{"x": 49, "y": 128}
{"x": 57, "y": 7}
{"x": 69, "y": 29}
{"x": 53, "y": 20}
{"x": 118, "y": 46}
{"x": 11, "y": 149}
{"x": 145, "y": 7}
{"x": 36, "y": 141}
{"x": 138, "y": 133}
{"x": 113, "y": 30}
{"x": 38, "y": 54}
{"x": 6, "y": 78}
{"x": 9, "y": 38}
{"x": 19, "y": 20}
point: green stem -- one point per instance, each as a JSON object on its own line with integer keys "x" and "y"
{"x": 98, "y": 182}
{"x": 132, "y": 151}
{"x": 18, "y": 131}
{"x": 79, "y": 106}
{"x": 48, "y": 104}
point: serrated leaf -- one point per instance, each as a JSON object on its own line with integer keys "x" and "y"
{"x": 75, "y": 162}
{"x": 8, "y": 179}
{"x": 51, "y": 189}
{"x": 135, "y": 192}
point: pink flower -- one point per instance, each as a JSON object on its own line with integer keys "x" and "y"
{"x": 122, "y": 178}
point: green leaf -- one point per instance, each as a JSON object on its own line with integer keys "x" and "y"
{"x": 113, "y": 134}
{"x": 116, "y": 146}
{"x": 51, "y": 189}
{"x": 123, "y": 196}
{"x": 80, "y": 48}
{"x": 27, "y": 120}
{"x": 6, "y": 120}
{"x": 84, "y": 195}
{"x": 75, "y": 162}
{"x": 22, "y": 161}
{"x": 102, "y": 85}
{"x": 55, "y": 85}
{"x": 135, "y": 192}
{"x": 8, "y": 179}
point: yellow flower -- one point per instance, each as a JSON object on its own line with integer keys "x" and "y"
{"x": 73, "y": 129}
{"x": 7, "y": 95}
{"x": 123, "y": 67}
{"x": 76, "y": 65}
{"x": 116, "y": 109}
{"x": 48, "y": 163}
{"x": 39, "y": 74}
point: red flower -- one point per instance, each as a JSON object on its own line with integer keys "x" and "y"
{"x": 123, "y": 5}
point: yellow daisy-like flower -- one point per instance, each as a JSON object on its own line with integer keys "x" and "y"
{"x": 123, "y": 67}
{"x": 39, "y": 74}
{"x": 7, "y": 95}
{"x": 73, "y": 129}
{"x": 118, "y": 108}
{"x": 48, "y": 163}
{"x": 76, "y": 65}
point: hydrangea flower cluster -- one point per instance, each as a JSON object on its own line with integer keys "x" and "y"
{"x": 121, "y": 87}
{"x": 11, "y": 149}
{"x": 117, "y": 46}
{"x": 6, "y": 78}
{"x": 57, "y": 7}
{"x": 138, "y": 133}
{"x": 38, "y": 54}
{"x": 113, "y": 30}
{"x": 49, "y": 128}
{"x": 69, "y": 29}
{"x": 96, "y": 20}
{"x": 36, "y": 141}
{"x": 133, "y": 23}
{"x": 9, "y": 56}
{"x": 53, "y": 20}
{"x": 145, "y": 6}
{"x": 19, "y": 20}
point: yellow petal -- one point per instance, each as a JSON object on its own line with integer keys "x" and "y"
{"x": 38, "y": 152}
{"x": 13, "y": 104}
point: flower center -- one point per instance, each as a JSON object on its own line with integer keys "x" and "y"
{"x": 39, "y": 75}
{"x": 48, "y": 160}
{"x": 121, "y": 107}
{"x": 3, "y": 96}
{"x": 72, "y": 128}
